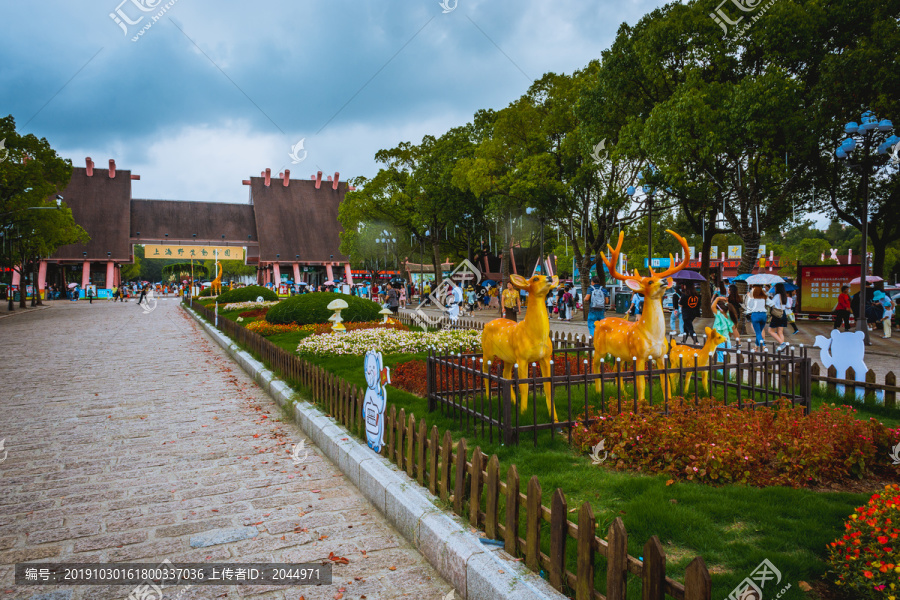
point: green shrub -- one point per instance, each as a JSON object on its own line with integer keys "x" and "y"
{"x": 205, "y": 292}
{"x": 312, "y": 308}
{"x": 246, "y": 294}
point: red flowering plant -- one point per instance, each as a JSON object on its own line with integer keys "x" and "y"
{"x": 865, "y": 561}
{"x": 703, "y": 440}
{"x": 255, "y": 313}
{"x": 411, "y": 377}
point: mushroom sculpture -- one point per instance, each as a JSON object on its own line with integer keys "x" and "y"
{"x": 386, "y": 312}
{"x": 337, "y": 324}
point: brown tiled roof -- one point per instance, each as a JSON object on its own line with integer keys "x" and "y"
{"x": 182, "y": 219}
{"x": 102, "y": 207}
{"x": 298, "y": 219}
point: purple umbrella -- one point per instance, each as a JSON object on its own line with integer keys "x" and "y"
{"x": 686, "y": 275}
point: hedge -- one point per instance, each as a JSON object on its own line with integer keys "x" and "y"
{"x": 246, "y": 294}
{"x": 312, "y": 308}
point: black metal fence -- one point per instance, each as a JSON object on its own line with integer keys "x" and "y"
{"x": 486, "y": 402}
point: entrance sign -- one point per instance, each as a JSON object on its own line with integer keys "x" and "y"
{"x": 198, "y": 252}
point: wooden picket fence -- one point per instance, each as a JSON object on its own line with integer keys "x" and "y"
{"x": 471, "y": 483}
{"x": 831, "y": 380}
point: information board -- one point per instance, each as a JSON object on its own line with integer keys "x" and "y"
{"x": 820, "y": 286}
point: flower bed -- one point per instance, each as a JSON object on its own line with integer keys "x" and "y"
{"x": 390, "y": 341}
{"x": 708, "y": 442}
{"x": 323, "y": 328}
{"x": 410, "y": 375}
{"x": 253, "y": 314}
{"x": 265, "y": 329}
{"x": 246, "y": 305}
{"x": 866, "y": 560}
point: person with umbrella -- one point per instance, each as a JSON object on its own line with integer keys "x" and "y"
{"x": 778, "y": 306}
{"x": 755, "y": 307}
{"x": 675, "y": 322}
{"x": 791, "y": 303}
{"x": 690, "y": 310}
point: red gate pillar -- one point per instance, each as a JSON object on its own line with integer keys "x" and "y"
{"x": 348, "y": 274}
{"x": 42, "y": 277}
{"x": 85, "y": 274}
{"x": 110, "y": 274}
{"x": 296, "y": 272}
{"x": 329, "y": 272}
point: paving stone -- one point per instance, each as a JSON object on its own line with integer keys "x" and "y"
{"x": 223, "y": 536}
{"x": 159, "y": 439}
{"x": 54, "y": 595}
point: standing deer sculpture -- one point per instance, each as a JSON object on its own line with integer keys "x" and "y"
{"x": 645, "y": 338}
{"x": 217, "y": 282}
{"x": 526, "y": 341}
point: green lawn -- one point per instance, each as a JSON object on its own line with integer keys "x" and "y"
{"x": 733, "y": 527}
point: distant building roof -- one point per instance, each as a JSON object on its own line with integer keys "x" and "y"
{"x": 297, "y": 219}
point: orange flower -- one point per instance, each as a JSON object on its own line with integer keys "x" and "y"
{"x": 867, "y": 574}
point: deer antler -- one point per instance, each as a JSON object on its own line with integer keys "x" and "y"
{"x": 673, "y": 268}
{"x": 614, "y": 258}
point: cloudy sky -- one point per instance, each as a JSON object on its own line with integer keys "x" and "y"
{"x": 213, "y": 92}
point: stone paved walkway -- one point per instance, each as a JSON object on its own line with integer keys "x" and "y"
{"x": 129, "y": 433}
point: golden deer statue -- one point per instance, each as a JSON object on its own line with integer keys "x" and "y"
{"x": 645, "y": 338}
{"x": 217, "y": 282}
{"x": 524, "y": 342}
{"x": 688, "y": 356}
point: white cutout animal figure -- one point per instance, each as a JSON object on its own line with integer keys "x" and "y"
{"x": 844, "y": 349}
{"x": 375, "y": 400}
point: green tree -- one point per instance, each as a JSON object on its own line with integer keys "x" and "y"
{"x": 32, "y": 221}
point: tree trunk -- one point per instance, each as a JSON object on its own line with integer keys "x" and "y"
{"x": 35, "y": 266}
{"x": 436, "y": 262}
{"x": 22, "y": 287}
{"x": 751, "y": 251}
{"x": 504, "y": 271}
{"x": 879, "y": 249}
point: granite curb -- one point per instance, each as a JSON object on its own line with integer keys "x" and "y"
{"x": 475, "y": 570}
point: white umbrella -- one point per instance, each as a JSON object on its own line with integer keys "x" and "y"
{"x": 73, "y": 285}
{"x": 764, "y": 279}
{"x": 869, "y": 278}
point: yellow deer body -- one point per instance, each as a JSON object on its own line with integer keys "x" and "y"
{"x": 688, "y": 356}
{"x": 217, "y": 282}
{"x": 524, "y": 342}
{"x": 644, "y": 339}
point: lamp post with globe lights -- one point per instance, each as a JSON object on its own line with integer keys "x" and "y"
{"x": 649, "y": 192}
{"x": 541, "y": 218}
{"x": 870, "y": 134}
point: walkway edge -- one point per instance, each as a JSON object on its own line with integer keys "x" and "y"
{"x": 475, "y": 570}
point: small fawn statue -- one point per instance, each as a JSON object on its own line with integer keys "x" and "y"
{"x": 689, "y": 356}
{"x": 644, "y": 339}
{"x": 524, "y": 342}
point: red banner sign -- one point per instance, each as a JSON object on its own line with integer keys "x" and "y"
{"x": 820, "y": 286}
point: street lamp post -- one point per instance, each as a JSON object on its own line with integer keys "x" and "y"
{"x": 648, "y": 191}
{"x": 866, "y": 134}
{"x": 422, "y": 266}
{"x": 541, "y": 219}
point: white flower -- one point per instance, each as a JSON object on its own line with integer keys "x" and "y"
{"x": 247, "y": 305}
{"x": 390, "y": 341}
